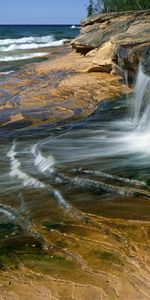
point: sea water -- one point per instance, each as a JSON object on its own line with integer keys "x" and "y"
{"x": 26, "y": 43}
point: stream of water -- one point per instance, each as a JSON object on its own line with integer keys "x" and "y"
{"x": 118, "y": 146}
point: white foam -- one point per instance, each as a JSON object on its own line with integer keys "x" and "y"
{"x": 27, "y": 40}
{"x": 61, "y": 200}
{"x": 136, "y": 142}
{"x": 7, "y": 213}
{"x": 75, "y": 27}
{"x": 28, "y": 46}
{"x": 43, "y": 164}
{"x": 22, "y": 57}
{"x": 16, "y": 172}
{"x": 142, "y": 83}
{"x": 6, "y": 73}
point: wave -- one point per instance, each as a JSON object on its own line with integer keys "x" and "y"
{"x": 23, "y": 48}
{"x": 22, "y": 57}
{"x": 75, "y": 27}
{"x": 28, "y": 46}
{"x": 27, "y": 40}
{"x": 6, "y": 73}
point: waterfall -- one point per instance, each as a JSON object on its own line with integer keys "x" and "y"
{"x": 141, "y": 106}
{"x": 137, "y": 140}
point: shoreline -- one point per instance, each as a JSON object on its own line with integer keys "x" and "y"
{"x": 75, "y": 219}
{"x": 56, "y": 89}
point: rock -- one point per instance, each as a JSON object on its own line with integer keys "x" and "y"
{"x": 105, "y": 17}
{"x": 102, "y": 61}
{"x": 97, "y": 30}
{"x": 58, "y": 90}
{"x": 116, "y": 41}
{"x": 145, "y": 61}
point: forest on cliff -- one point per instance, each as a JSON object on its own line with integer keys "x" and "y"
{"x": 98, "y": 6}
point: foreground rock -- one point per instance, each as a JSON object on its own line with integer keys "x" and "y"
{"x": 118, "y": 40}
{"x": 105, "y": 258}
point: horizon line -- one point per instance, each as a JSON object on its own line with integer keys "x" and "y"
{"x": 36, "y": 24}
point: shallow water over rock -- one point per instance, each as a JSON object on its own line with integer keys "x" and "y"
{"x": 75, "y": 197}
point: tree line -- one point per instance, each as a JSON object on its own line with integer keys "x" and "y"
{"x": 98, "y": 6}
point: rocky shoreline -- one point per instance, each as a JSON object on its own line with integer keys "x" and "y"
{"x": 93, "y": 245}
{"x": 56, "y": 90}
{"x": 68, "y": 85}
{"x": 116, "y": 41}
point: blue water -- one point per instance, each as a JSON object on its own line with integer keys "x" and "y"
{"x": 20, "y": 44}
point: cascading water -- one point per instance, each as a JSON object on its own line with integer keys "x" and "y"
{"x": 117, "y": 147}
{"x": 142, "y": 101}
{"x": 138, "y": 141}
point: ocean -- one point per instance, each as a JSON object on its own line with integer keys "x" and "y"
{"x": 22, "y": 44}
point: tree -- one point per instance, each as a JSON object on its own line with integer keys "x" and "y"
{"x": 90, "y": 8}
{"x": 124, "y": 5}
{"x": 98, "y": 6}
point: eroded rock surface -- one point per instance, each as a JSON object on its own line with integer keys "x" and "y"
{"x": 55, "y": 91}
{"x": 119, "y": 40}
{"x": 105, "y": 256}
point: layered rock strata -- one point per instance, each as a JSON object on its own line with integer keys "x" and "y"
{"x": 52, "y": 91}
{"x": 116, "y": 41}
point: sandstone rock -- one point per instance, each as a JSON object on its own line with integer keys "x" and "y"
{"x": 97, "y": 30}
{"x": 92, "y": 53}
{"x": 106, "y": 17}
{"x": 116, "y": 41}
{"x": 57, "y": 90}
{"x": 102, "y": 61}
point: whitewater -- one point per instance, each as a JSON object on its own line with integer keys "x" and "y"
{"x": 27, "y": 43}
{"x": 113, "y": 147}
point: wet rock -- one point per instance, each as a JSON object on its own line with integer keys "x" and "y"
{"x": 17, "y": 125}
{"x": 58, "y": 90}
{"x": 146, "y": 61}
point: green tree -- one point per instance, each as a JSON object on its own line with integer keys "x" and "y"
{"x": 124, "y": 5}
{"x": 98, "y": 6}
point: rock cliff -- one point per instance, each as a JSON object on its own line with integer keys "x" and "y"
{"x": 116, "y": 41}
{"x": 145, "y": 61}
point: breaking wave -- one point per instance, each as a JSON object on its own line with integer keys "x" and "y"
{"x": 23, "y": 48}
{"x": 27, "y": 40}
{"x": 28, "y": 46}
{"x": 6, "y": 73}
{"x": 23, "y": 57}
